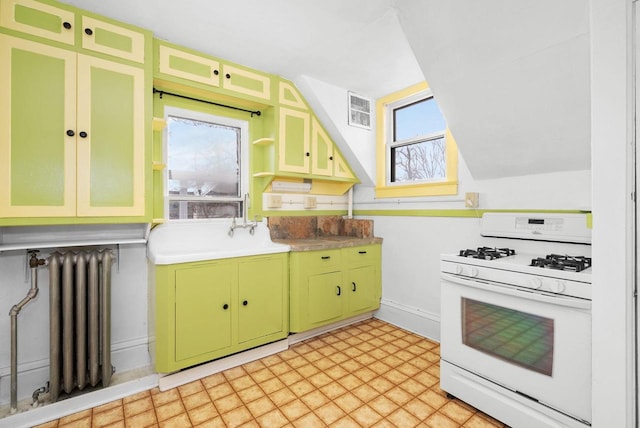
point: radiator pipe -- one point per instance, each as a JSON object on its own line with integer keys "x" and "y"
{"x": 34, "y": 262}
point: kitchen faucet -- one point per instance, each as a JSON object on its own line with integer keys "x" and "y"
{"x": 252, "y": 225}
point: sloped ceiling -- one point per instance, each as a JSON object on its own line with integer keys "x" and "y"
{"x": 511, "y": 76}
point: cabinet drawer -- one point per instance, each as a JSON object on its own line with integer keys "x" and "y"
{"x": 318, "y": 261}
{"x": 364, "y": 255}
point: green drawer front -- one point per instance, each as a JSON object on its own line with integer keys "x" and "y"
{"x": 317, "y": 261}
{"x": 364, "y": 255}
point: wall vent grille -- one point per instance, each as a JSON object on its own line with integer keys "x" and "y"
{"x": 359, "y": 111}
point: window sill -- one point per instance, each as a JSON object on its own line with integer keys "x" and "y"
{"x": 422, "y": 189}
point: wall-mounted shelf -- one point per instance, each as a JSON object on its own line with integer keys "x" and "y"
{"x": 263, "y": 141}
{"x": 159, "y": 124}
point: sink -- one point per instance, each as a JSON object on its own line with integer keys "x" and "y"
{"x": 181, "y": 242}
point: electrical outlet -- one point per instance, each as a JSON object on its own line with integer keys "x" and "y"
{"x": 310, "y": 202}
{"x": 274, "y": 201}
{"x": 471, "y": 200}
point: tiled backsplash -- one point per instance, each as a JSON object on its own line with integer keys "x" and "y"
{"x": 309, "y": 227}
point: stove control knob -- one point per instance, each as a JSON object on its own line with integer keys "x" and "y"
{"x": 458, "y": 269}
{"x": 536, "y": 283}
{"x": 558, "y": 286}
{"x": 473, "y": 272}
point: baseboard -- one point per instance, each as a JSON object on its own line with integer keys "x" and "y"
{"x": 189, "y": 375}
{"x": 409, "y": 318}
{"x": 299, "y": 337}
{"x": 49, "y": 412}
{"x": 125, "y": 356}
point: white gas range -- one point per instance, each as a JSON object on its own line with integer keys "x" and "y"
{"x": 516, "y": 325}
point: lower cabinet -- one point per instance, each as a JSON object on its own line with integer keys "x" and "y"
{"x": 331, "y": 285}
{"x": 206, "y": 310}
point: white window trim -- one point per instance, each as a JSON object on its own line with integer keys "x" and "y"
{"x": 391, "y": 144}
{"x": 244, "y": 159}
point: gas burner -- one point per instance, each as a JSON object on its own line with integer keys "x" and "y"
{"x": 487, "y": 253}
{"x": 563, "y": 262}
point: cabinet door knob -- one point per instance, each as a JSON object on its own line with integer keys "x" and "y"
{"x": 88, "y": 31}
{"x": 339, "y": 290}
{"x": 70, "y": 132}
{"x": 354, "y": 286}
{"x": 228, "y": 76}
{"x": 307, "y": 154}
{"x": 225, "y": 306}
{"x": 83, "y": 134}
{"x": 66, "y": 25}
{"x": 245, "y": 303}
{"x": 330, "y": 157}
{"x": 216, "y": 72}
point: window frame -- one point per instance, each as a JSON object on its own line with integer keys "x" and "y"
{"x": 385, "y": 107}
{"x": 199, "y": 115}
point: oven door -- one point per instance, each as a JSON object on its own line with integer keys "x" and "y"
{"x": 538, "y": 345}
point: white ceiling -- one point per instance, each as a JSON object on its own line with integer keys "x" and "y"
{"x": 511, "y": 76}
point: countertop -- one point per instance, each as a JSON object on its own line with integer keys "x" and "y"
{"x": 327, "y": 242}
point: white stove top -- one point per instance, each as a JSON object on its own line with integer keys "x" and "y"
{"x": 516, "y": 271}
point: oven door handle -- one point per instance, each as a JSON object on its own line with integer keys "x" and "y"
{"x": 572, "y": 302}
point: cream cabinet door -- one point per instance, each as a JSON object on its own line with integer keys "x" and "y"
{"x": 39, "y": 19}
{"x": 293, "y": 141}
{"x": 178, "y": 63}
{"x": 115, "y": 40}
{"x": 37, "y": 129}
{"x": 111, "y": 143}
{"x": 246, "y": 82}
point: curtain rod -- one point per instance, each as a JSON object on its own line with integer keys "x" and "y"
{"x": 157, "y": 91}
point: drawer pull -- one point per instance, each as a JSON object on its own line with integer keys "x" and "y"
{"x": 362, "y": 252}
{"x": 354, "y": 286}
{"x": 225, "y": 306}
{"x": 339, "y": 290}
{"x": 325, "y": 257}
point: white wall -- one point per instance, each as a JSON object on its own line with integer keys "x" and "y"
{"x": 129, "y": 319}
{"x": 330, "y": 104}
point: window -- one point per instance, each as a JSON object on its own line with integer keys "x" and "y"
{"x": 206, "y": 165}
{"x": 417, "y": 155}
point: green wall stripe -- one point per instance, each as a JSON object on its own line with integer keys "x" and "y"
{"x": 458, "y": 213}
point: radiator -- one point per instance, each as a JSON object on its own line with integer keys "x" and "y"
{"x": 80, "y": 320}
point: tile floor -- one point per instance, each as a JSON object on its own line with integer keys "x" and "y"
{"x": 369, "y": 374}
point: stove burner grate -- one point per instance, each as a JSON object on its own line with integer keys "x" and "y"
{"x": 487, "y": 253}
{"x": 562, "y": 262}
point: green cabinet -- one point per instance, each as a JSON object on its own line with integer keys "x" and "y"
{"x": 73, "y": 27}
{"x": 203, "y": 296}
{"x": 72, "y": 116}
{"x": 206, "y": 310}
{"x": 303, "y": 146}
{"x": 331, "y": 285}
{"x": 192, "y": 67}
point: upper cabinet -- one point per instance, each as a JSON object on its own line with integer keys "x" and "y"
{"x": 72, "y": 118}
{"x": 74, "y": 28}
{"x": 304, "y": 147}
{"x": 190, "y": 67}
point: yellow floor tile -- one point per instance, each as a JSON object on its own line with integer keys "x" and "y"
{"x": 370, "y": 374}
